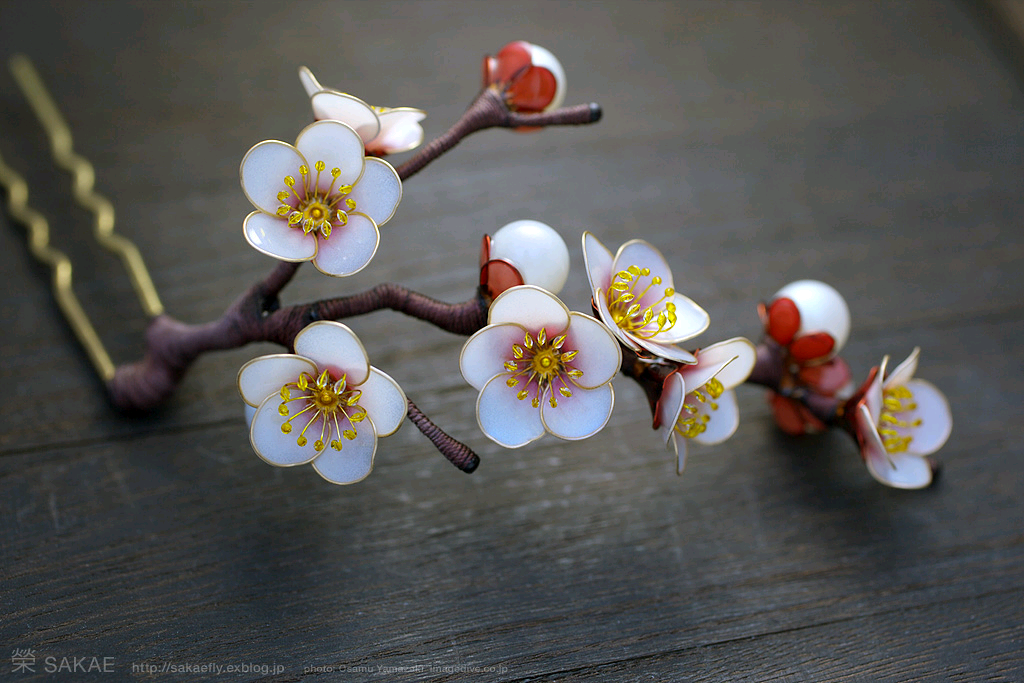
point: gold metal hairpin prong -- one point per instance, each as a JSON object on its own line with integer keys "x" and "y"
{"x": 39, "y": 245}
{"x": 84, "y": 178}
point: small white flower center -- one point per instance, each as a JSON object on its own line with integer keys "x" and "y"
{"x": 624, "y": 293}
{"x": 545, "y": 361}
{"x": 311, "y": 209}
{"x": 326, "y": 399}
{"x": 693, "y": 420}
{"x": 896, "y": 400}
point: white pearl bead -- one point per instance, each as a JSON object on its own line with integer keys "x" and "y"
{"x": 536, "y": 250}
{"x": 822, "y": 309}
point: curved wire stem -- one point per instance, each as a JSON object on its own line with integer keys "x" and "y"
{"x": 83, "y": 181}
{"x": 39, "y": 245}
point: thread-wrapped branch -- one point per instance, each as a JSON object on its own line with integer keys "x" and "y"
{"x": 489, "y": 110}
{"x": 458, "y": 453}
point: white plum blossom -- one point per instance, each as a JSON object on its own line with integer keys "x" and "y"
{"x": 698, "y": 401}
{"x": 320, "y": 200}
{"x": 540, "y": 367}
{"x": 323, "y": 404}
{"x": 635, "y": 296}
{"x": 384, "y": 130}
{"x": 898, "y": 422}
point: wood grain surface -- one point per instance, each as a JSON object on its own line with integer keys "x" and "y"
{"x": 874, "y": 146}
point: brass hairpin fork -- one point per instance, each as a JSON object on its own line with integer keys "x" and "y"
{"x": 83, "y": 180}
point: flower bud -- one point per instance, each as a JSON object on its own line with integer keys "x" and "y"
{"x": 809, "y": 318}
{"x": 530, "y": 76}
{"x": 535, "y": 250}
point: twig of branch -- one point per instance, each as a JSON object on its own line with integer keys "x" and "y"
{"x": 489, "y": 110}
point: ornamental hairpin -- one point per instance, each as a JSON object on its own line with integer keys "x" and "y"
{"x": 538, "y": 367}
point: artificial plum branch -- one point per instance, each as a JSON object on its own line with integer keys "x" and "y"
{"x": 172, "y": 346}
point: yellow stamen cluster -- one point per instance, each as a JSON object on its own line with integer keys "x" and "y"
{"x": 623, "y": 298}
{"x": 896, "y": 400}
{"x": 690, "y": 423}
{"x": 315, "y": 210}
{"x": 545, "y": 361}
{"x": 325, "y": 399}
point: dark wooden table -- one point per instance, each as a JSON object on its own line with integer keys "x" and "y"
{"x": 878, "y": 148}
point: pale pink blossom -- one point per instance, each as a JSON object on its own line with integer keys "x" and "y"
{"x": 698, "y": 401}
{"x": 900, "y": 420}
{"x": 319, "y": 200}
{"x": 384, "y": 130}
{"x": 540, "y": 367}
{"x": 635, "y": 296}
{"x": 323, "y": 404}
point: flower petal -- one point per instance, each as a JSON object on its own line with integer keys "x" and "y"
{"x": 723, "y": 422}
{"x": 583, "y": 414}
{"x": 598, "y": 262}
{"x": 273, "y": 445}
{"x": 336, "y": 106}
{"x": 783, "y": 320}
{"x": 263, "y": 170}
{"x": 873, "y": 395}
{"x": 335, "y": 144}
{"x": 666, "y": 351}
{"x": 899, "y": 470}
{"x": 350, "y": 248}
{"x": 644, "y": 255}
{"x": 600, "y": 355}
{"x": 935, "y": 415}
{"x": 336, "y": 348}
{"x": 696, "y": 376}
{"x": 400, "y": 131}
{"x": 904, "y": 372}
{"x": 670, "y": 404}
{"x": 505, "y": 419}
{"x": 355, "y": 459}
{"x": 691, "y": 320}
{"x": 309, "y": 82}
{"x": 384, "y": 402}
{"x": 793, "y": 418}
{"x": 273, "y": 236}
{"x": 740, "y": 351}
{"x": 902, "y": 471}
{"x": 264, "y": 376}
{"x": 812, "y": 347}
{"x": 378, "y": 192}
{"x": 533, "y": 308}
{"x": 679, "y": 443}
{"x": 498, "y": 275}
{"x": 605, "y": 314}
{"x": 511, "y": 60}
{"x": 485, "y": 353}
